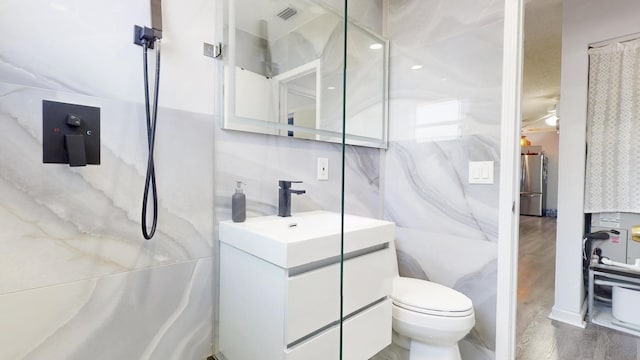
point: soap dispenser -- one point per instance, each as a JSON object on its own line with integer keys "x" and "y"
{"x": 239, "y": 204}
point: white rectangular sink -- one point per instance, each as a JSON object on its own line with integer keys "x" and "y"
{"x": 305, "y": 237}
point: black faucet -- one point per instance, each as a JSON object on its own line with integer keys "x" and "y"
{"x": 284, "y": 197}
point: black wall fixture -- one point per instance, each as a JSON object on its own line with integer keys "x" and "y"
{"x": 70, "y": 134}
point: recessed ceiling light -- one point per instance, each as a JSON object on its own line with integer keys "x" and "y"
{"x": 416, "y": 67}
{"x": 331, "y": 88}
{"x": 375, "y": 46}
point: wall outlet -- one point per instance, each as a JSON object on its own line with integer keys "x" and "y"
{"x": 323, "y": 169}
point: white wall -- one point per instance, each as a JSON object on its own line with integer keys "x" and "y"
{"x": 584, "y": 22}
{"x": 550, "y": 143}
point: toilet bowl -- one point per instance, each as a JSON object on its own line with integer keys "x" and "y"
{"x": 429, "y": 319}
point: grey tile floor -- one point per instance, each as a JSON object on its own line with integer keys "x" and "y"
{"x": 539, "y": 338}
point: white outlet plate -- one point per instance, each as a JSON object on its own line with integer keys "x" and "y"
{"x": 323, "y": 169}
{"x": 481, "y": 172}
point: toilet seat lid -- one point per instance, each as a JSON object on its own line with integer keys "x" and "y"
{"x": 430, "y": 298}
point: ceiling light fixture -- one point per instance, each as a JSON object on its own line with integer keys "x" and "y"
{"x": 551, "y": 120}
{"x": 416, "y": 67}
{"x": 375, "y": 46}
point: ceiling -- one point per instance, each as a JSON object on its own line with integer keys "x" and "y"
{"x": 542, "y": 52}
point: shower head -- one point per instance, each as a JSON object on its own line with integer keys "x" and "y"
{"x": 156, "y": 17}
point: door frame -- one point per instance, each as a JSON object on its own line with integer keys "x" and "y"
{"x": 509, "y": 203}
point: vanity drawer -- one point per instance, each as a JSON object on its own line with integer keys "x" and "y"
{"x": 368, "y": 332}
{"x": 313, "y": 297}
{"x": 364, "y": 335}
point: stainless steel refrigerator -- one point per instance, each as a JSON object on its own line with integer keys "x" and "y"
{"x": 533, "y": 184}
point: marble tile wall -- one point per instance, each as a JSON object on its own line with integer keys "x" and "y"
{"x": 159, "y": 313}
{"x": 78, "y": 280}
{"x": 66, "y": 224}
{"x": 441, "y": 117}
{"x": 260, "y": 161}
{"x": 67, "y": 231}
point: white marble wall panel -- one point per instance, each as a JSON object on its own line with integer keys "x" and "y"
{"x": 261, "y": 160}
{"x": 79, "y": 281}
{"x": 424, "y": 23}
{"x": 76, "y": 272}
{"x": 441, "y": 117}
{"x": 87, "y": 48}
{"x": 64, "y": 224}
{"x": 158, "y": 313}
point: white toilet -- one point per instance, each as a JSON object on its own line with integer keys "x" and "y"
{"x": 429, "y": 319}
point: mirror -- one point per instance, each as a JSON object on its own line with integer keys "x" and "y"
{"x": 284, "y": 73}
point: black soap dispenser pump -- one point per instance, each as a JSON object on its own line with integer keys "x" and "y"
{"x": 239, "y": 204}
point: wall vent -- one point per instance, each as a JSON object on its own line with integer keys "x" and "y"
{"x": 287, "y": 13}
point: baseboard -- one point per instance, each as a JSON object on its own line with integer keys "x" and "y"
{"x": 570, "y": 317}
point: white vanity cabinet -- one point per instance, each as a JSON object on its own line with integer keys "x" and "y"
{"x": 274, "y": 306}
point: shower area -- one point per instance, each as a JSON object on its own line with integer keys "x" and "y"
{"x": 377, "y": 117}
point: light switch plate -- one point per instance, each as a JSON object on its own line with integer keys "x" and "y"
{"x": 323, "y": 169}
{"x": 481, "y": 172}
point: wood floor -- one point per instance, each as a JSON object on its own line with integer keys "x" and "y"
{"x": 538, "y": 337}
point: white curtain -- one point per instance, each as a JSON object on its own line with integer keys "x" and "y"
{"x": 613, "y": 129}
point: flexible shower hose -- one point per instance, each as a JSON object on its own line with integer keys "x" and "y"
{"x": 152, "y": 115}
